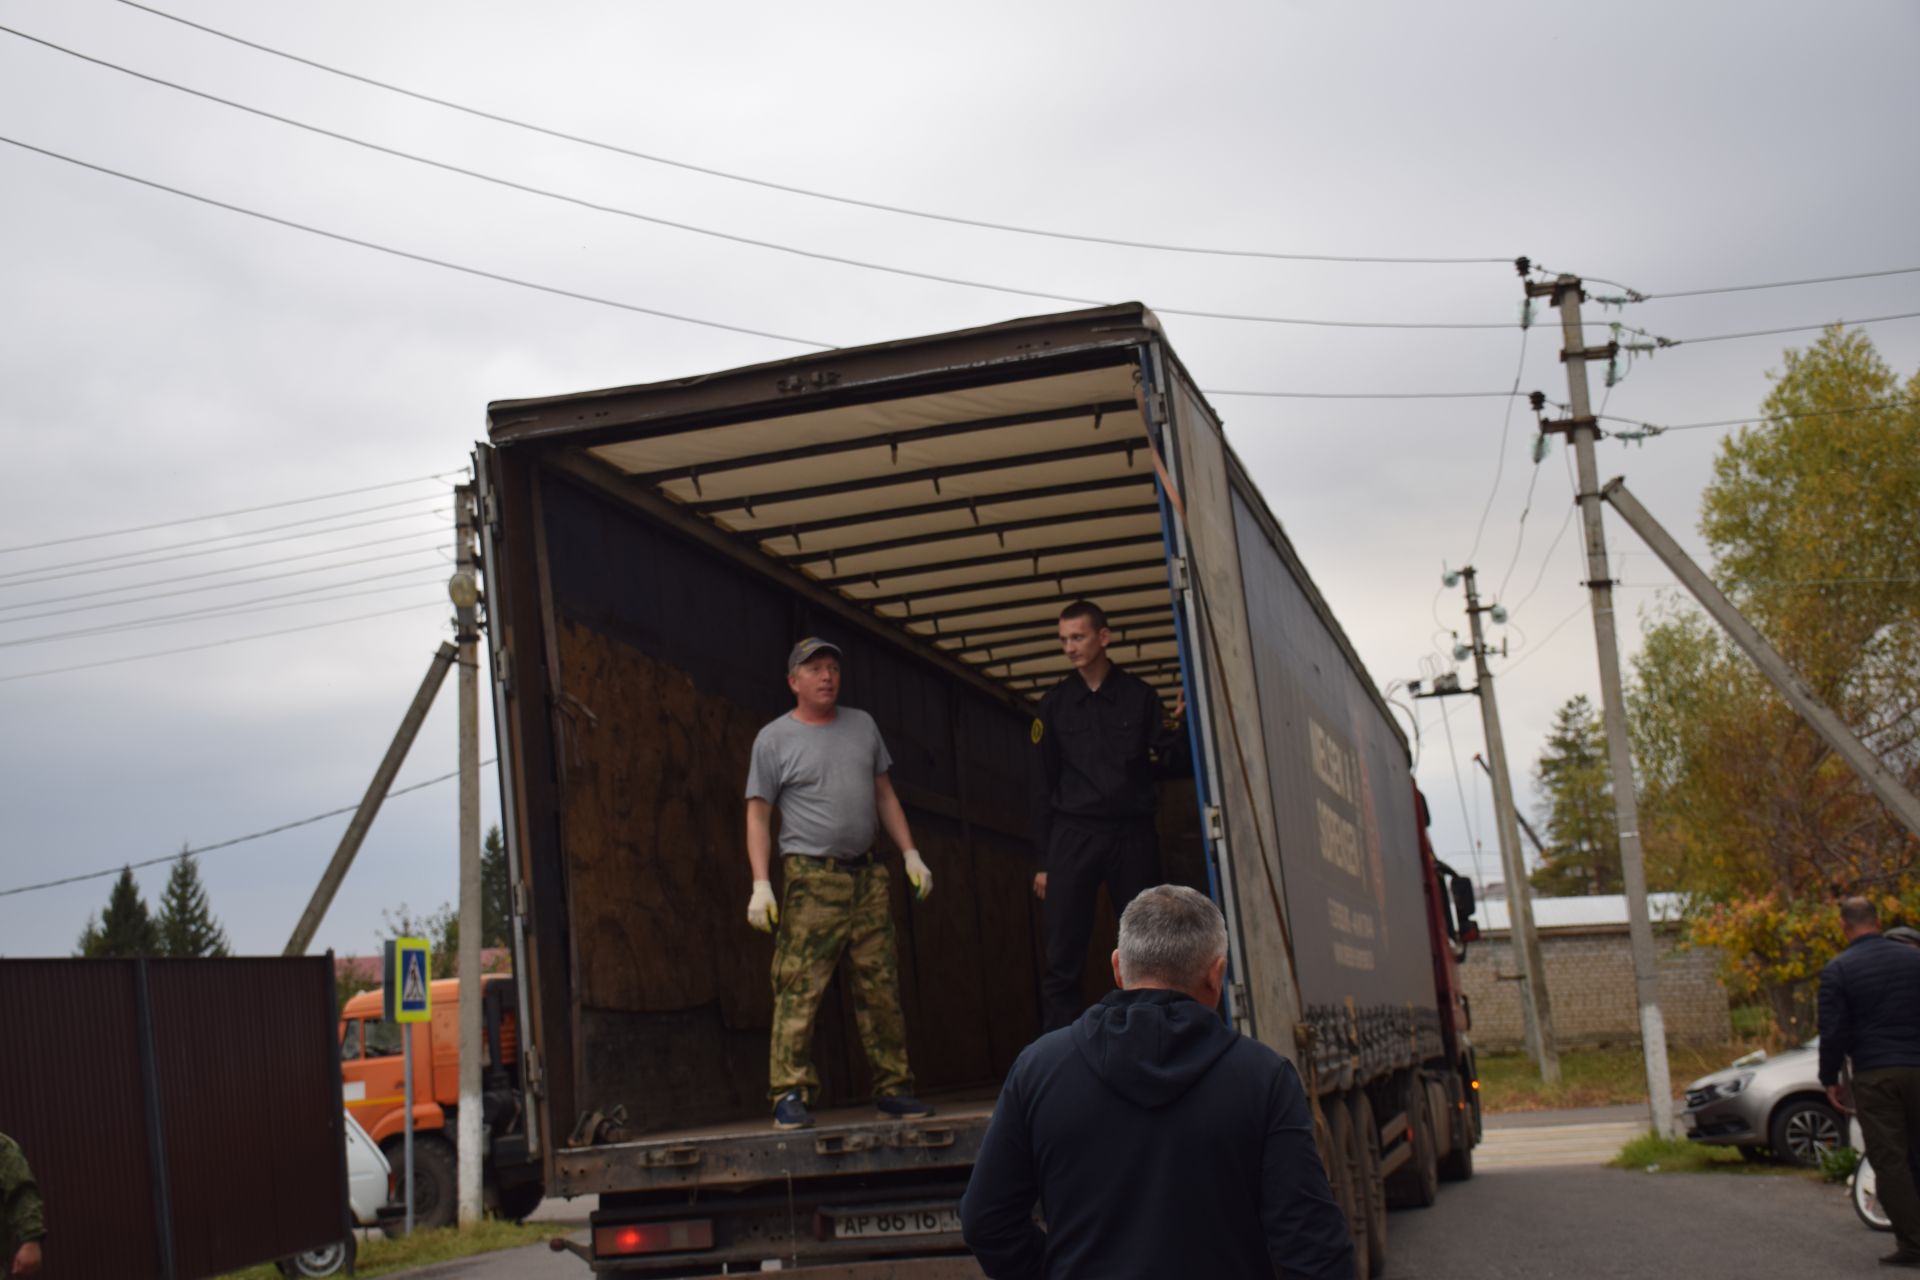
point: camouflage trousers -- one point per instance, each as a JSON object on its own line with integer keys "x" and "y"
{"x": 825, "y": 910}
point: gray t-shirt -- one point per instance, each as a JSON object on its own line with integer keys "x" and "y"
{"x": 821, "y": 778}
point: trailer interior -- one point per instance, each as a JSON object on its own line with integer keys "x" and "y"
{"x": 668, "y": 544}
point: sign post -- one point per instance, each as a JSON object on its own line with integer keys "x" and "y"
{"x": 407, "y": 997}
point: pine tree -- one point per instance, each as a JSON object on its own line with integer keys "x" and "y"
{"x": 1573, "y": 774}
{"x": 496, "y": 892}
{"x": 125, "y": 928}
{"x": 185, "y": 923}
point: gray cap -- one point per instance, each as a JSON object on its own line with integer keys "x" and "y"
{"x": 810, "y": 647}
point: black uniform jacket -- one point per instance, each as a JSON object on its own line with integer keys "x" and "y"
{"x": 1097, "y": 753}
{"x": 1159, "y": 1143}
{"x": 1870, "y": 1007}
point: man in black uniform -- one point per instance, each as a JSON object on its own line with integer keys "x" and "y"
{"x": 1100, "y": 739}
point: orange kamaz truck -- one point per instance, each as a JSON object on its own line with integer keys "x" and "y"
{"x": 373, "y": 1086}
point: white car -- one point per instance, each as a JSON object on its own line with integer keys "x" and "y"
{"x": 367, "y": 1181}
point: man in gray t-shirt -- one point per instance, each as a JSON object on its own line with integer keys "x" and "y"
{"x": 825, "y": 768}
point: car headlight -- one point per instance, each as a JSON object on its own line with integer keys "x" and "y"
{"x": 1735, "y": 1085}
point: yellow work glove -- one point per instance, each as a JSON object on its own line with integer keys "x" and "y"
{"x": 762, "y": 913}
{"x": 919, "y": 875}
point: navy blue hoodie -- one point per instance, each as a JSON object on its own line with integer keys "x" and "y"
{"x": 1157, "y": 1142}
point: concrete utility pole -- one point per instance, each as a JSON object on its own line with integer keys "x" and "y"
{"x": 370, "y": 804}
{"x": 1820, "y": 717}
{"x": 1526, "y": 942}
{"x": 1580, "y": 424}
{"x": 464, "y": 590}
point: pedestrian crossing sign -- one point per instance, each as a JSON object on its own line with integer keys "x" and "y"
{"x": 407, "y": 993}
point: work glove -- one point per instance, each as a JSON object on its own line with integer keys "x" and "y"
{"x": 919, "y": 875}
{"x": 762, "y": 913}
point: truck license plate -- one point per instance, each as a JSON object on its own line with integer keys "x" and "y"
{"x": 857, "y": 1224}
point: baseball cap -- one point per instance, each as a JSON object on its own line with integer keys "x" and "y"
{"x": 810, "y": 647}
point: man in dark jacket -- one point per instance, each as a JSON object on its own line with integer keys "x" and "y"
{"x": 1101, "y": 737}
{"x": 1870, "y": 1013}
{"x": 1156, "y": 1140}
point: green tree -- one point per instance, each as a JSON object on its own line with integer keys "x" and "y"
{"x": 125, "y": 929}
{"x": 441, "y": 928}
{"x": 185, "y": 922}
{"x": 1573, "y": 777}
{"x": 496, "y": 892}
{"x": 1813, "y": 517}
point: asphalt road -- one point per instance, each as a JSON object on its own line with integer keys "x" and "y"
{"x": 1541, "y": 1206}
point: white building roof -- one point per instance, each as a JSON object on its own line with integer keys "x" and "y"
{"x": 1594, "y": 910}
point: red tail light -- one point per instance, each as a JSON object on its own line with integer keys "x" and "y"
{"x": 652, "y": 1237}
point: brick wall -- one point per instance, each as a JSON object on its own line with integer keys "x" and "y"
{"x": 1590, "y": 983}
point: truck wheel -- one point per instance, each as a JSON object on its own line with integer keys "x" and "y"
{"x": 516, "y": 1202}
{"x": 436, "y": 1194}
{"x": 1457, "y": 1165}
{"x": 1417, "y": 1185}
{"x": 1343, "y": 1170}
{"x": 1370, "y": 1193}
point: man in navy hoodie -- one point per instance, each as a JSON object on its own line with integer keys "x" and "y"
{"x": 1870, "y": 1014}
{"x": 1156, "y": 1140}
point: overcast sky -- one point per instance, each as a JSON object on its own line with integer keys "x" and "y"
{"x": 164, "y": 359}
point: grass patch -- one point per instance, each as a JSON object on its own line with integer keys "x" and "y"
{"x": 1592, "y": 1077}
{"x": 1653, "y": 1154}
{"x": 381, "y": 1256}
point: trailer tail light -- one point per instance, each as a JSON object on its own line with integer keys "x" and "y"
{"x": 652, "y": 1237}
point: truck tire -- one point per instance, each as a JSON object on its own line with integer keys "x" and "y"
{"x": 1344, "y": 1172}
{"x": 1417, "y": 1184}
{"x": 436, "y": 1187}
{"x": 516, "y": 1202}
{"x": 1371, "y": 1193}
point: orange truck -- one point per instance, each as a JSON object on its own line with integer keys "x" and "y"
{"x": 373, "y": 1086}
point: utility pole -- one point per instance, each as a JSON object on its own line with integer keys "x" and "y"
{"x": 1526, "y": 942}
{"x": 464, "y": 590}
{"x": 1580, "y": 423}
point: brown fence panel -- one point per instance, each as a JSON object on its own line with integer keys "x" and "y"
{"x": 183, "y": 1117}
{"x": 71, "y": 1095}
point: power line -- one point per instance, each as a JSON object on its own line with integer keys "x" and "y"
{"x": 204, "y": 612}
{"x": 1657, "y": 429}
{"x": 225, "y": 537}
{"x": 1461, "y": 790}
{"x": 215, "y": 644}
{"x": 1634, "y": 295}
{"x": 226, "y": 844}
{"x": 1662, "y": 343}
{"x": 411, "y": 256}
{"x": 216, "y": 515}
{"x": 214, "y": 613}
{"x": 696, "y": 229}
{"x": 1358, "y": 395}
{"x": 1500, "y": 458}
{"x": 223, "y": 586}
{"x": 805, "y": 191}
{"x": 208, "y": 573}
{"x": 1577, "y": 611}
{"x": 1547, "y": 559}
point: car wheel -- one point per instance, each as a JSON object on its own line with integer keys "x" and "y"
{"x": 330, "y": 1261}
{"x": 1803, "y": 1130}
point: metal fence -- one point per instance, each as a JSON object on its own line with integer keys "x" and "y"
{"x": 183, "y": 1117}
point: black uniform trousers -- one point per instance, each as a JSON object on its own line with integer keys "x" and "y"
{"x": 1126, "y": 858}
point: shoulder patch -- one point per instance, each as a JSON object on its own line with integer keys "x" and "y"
{"x": 1037, "y": 732}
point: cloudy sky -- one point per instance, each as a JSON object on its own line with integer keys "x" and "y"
{"x": 164, "y": 359}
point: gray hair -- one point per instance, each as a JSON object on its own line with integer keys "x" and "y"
{"x": 1170, "y": 934}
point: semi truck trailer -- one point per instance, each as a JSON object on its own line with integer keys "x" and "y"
{"x": 649, "y": 555}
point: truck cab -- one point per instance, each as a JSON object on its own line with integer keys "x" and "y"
{"x": 373, "y": 1086}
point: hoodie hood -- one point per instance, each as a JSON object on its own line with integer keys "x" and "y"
{"x": 1151, "y": 1046}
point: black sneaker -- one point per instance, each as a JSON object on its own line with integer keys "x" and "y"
{"x": 1902, "y": 1258}
{"x": 901, "y": 1106}
{"x": 791, "y": 1112}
